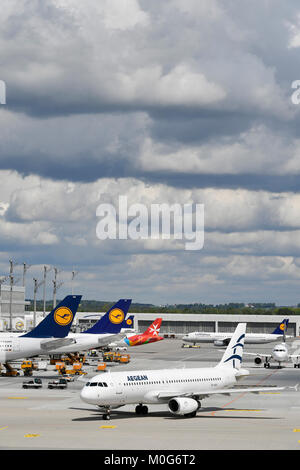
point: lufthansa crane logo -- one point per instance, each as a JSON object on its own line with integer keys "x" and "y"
{"x": 63, "y": 316}
{"x": 116, "y": 316}
{"x": 282, "y": 326}
{"x": 129, "y": 322}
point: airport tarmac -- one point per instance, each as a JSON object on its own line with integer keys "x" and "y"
{"x": 58, "y": 419}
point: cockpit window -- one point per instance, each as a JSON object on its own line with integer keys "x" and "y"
{"x": 93, "y": 384}
{"x": 87, "y": 384}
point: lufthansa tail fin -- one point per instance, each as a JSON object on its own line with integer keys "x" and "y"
{"x": 58, "y": 322}
{"x": 153, "y": 329}
{"x": 281, "y": 328}
{"x": 112, "y": 321}
{"x": 233, "y": 355}
{"x": 128, "y": 323}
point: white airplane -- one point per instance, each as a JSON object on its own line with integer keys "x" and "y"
{"x": 280, "y": 354}
{"x": 181, "y": 389}
{"x": 107, "y": 329}
{"x": 51, "y": 332}
{"x": 222, "y": 339}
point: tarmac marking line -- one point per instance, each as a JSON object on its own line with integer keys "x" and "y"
{"x": 4, "y": 427}
{"x": 108, "y": 427}
{"x": 31, "y": 435}
{"x": 17, "y": 398}
{"x": 244, "y": 393}
{"x": 238, "y": 409}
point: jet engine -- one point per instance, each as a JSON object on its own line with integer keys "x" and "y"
{"x": 183, "y": 406}
{"x": 258, "y": 360}
{"x": 222, "y": 342}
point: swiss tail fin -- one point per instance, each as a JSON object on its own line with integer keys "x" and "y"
{"x": 282, "y": 327}
{"x": 128, "y": 323}
{"x": 112, "y": 321}
{"x": 233, "y": 355}
{"x": 57, "y": 323}
{"x": 153, "y": 329}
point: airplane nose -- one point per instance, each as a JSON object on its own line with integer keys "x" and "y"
{"x": 84, "y": 395}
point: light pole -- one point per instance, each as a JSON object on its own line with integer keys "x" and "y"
{"x": 36, "y": 285}
{"x": 25, "y": 269}
{"x": 56, "y": 286}
{"x": 74, "y": 273}
{"x": 46, "y": 269}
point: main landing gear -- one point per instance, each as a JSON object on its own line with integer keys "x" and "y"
{"x": 141, "y": 409}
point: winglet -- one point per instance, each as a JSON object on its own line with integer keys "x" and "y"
{"x": 112, "y": 321}
{"x": 128, "y": 322}
{"x": 58, "y": 322}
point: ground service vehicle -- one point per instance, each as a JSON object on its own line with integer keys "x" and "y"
{"x": 60, "y": 383}
{"x": 35, "y": 383}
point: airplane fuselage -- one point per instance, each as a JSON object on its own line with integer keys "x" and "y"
{"x": 250, "y": 338}
{"x": 150, "y": 386}
{"x": 137, "y": 340}
{"x": 12, "y": 347}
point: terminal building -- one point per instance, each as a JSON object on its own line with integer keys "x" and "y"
{"x": 12, "y": 307}
{"x": 178, "y": 324}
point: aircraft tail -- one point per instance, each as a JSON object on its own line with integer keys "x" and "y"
{"x": 233, "y": 355}
{"x": 58, "y": 322}
{"x": 112, "y": 321}
{"x": 282, "y": 327}
{"x": 153, "y": 329}
{"x": 128, "y": 323}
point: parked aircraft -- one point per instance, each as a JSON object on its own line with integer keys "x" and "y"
{"x": 104, "y": 331}
{"x": 126, "y": 325}
{"x": 222, "y": 339}
{"x": 51, "y": 332}
{"x": 151, "y": 335}
{"x": 181, "y": 389}
{"x": 280, "y": 354}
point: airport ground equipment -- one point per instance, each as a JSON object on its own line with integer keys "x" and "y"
{"x": 101, "y": 366}
{"x": 114, "y": 356}
{"x": 76, "y": 368}
{"x": 10, "y": 371}
{"x": 35, "y": 383}
{"x": 123, "y": 358}
{"x": 28, "y": 367}
{"x": 109, "y": 356}
{"x": 60, "y": 383}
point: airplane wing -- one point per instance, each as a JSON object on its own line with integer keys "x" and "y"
{"x": 294, "y": 357}
{"x": 267, "y": 356}
{"x": 102, "y": 341}
{"x": 225, "y": 391}
{"x": 56, "y": 343}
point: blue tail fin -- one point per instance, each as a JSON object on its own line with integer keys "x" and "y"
{"x": 57, "y": 323}
{"x": 128, "y": 323}
{"x": 281, "y": 328}
{"x": 113, "y": 319}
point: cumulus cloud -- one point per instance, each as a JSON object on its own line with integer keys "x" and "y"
{"x": 164, "y": 102}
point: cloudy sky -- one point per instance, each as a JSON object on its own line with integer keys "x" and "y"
{"x": 163, "y": 102}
